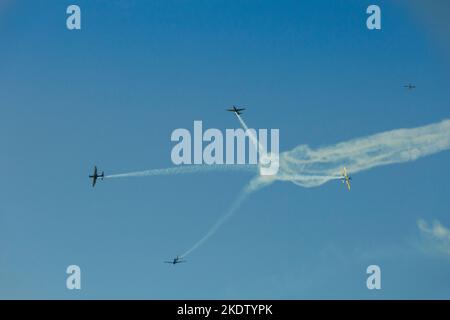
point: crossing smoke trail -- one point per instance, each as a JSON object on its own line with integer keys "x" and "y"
{"x": 252, "y": 186}
{"x": 308, "y": 168}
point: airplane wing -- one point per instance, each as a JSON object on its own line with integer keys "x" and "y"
{"x": 94, "y": 180}
{"x": 348, "y": 184}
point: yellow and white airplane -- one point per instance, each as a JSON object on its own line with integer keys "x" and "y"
{"x": 345, "y": 177}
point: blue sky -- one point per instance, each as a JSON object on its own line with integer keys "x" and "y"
{"x": 112, "y": 93}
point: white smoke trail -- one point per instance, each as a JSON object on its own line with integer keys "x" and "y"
{"x": 255, "y": 141}
{"x": 311, "y": 168}
{"x": 190, "y": 169}
{"x": 185, "y": 170}
{"x": 252, "y": 186}
{"x": 235, "y": 205}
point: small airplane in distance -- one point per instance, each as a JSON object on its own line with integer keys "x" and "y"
{"x": 236, "y": 110}
{"x": 176, "y": 260}
{"x": 95, "y": 176}
{"x": 346, "y": 178}
{"x": 409, "y": 86}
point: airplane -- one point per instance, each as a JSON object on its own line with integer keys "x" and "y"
{"x": 236, "y": 110}
{"x": 95, "y": 176}
{"x": 409, "y": 86}
{"x": 346, "y": 178}
{"x": 176, "y": 260}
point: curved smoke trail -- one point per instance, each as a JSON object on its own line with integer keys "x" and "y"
{"x": 311, "y": 168}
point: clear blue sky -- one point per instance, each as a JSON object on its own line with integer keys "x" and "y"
{"x": 112, "y": 93}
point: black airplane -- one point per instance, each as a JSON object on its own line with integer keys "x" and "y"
{"x": 176, "y": 260}
{"x": 236, "y": 110}
{"x": 95, "y": 176}
{"x": 409, "y": 86}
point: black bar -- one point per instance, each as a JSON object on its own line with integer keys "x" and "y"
{"x": 235, "y": 309}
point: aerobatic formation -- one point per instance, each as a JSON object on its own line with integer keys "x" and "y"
{"x": 307, "y": 167}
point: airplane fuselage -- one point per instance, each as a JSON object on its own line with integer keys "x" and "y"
{"x": 95, "y": 176}
{"x": 236, "y": 110}
{"x": 176, "y": 260}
